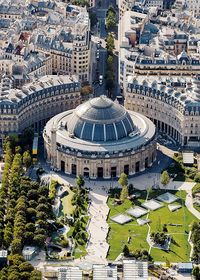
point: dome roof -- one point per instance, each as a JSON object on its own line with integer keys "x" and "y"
{"x": 100, "y": 119}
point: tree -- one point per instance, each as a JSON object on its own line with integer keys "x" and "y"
{"x": 110, "y": 62}
{"x": 124, "y": 193}
{"x": 109, "y": 84}
{"x": 8, "y": 234}
{"x": 15, "y": 259}
{"x": 14, "y": 275}
{"x": 165, "y": 228}
{"x": 42, "y": 207}
{"x": 36, "y": 275}
{"x": 110, "y": 18}
{"x": 81, "y": 3}
{"x": 27, "y": 159}
{"x": 110, "y": 45}
{"x": 126, "y": 251}
{"x": 123, "y": 180}
{"x": 26, "y": 266}
{"x": 196, "y": 272}
{"x": 26, "y": 138}
{"x": 197, "y": 178}
{"x": 165, "y": 178}
{"x": 32, "y": 195}
{"x": 80, "y": 181}
{"x": 25, "y": 275}
{"x": 39, "y": 240}
{"x": 28, "y": 237}
{"x": 30, "y": 227}
{"x": 16, "y": 246}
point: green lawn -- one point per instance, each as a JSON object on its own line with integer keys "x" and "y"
{"x": 197, "y": 207}
{"x": 179, "y": 250}
{"x": 67, "y": 207}
{"x": 80, "y": 251}
{"x": 119, "y": 234}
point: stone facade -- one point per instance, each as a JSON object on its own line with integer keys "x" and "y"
{"x": 176, "y": 113}
{"x": 111, "y": 167}
{"x": 37, "y": 102}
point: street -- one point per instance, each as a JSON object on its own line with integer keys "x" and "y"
{"x": 98, "y": 65}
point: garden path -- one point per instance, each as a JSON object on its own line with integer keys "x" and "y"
{"x": 98, "y": 228}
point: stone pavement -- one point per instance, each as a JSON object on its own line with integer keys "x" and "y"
{"x": 97, "y": 246}
{"x": 98, "y": 227}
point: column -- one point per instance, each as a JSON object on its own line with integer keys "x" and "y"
{"x": 132, "y": 165}
{"x": 58, "y": 159}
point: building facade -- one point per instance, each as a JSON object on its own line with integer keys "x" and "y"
{"x": 172, "y": 105}
{"x": 36, "y": 102}
{"x": 100, "y": 139}
{"x": 193, "y": 6}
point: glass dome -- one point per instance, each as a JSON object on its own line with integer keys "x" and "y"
{"x": 100, "y": 119}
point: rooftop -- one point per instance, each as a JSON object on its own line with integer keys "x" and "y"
{"x": 100, "y": 119}
{"x": 144, "y": 132}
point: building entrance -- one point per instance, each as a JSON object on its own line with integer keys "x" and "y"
{"x": 100, "y": 172}
{"x": 126, "y": 169}
{"x": 113, "y": 172}
{"x": 62, "y": 165}
{"x": 86, "y": 172}
{"x": 73, "y": 169}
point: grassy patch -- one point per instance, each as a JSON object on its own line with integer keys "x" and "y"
{"x": 197, "y": 207}
{"x": 180, "y": 248}
{"x": 181, "y": 172}
{"x": 179, "y": 252}
{"x": 119, "y": 234}
{"x": 196, "y": 189}
{"x": 67, "y": 207}
{"x": 80, "y": 251}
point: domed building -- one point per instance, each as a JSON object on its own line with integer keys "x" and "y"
{"x": 100, "y": 139}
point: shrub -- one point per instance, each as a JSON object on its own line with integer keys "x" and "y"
{"x": 64, "y": 243}
{"x": 197, "y": 178}
{"x": 53, "y": 188}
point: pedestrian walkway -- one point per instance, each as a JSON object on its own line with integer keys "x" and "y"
{"x": 189, "y": 204}
{"x": 97, "y": 246}
{"x": 98, "y": 227}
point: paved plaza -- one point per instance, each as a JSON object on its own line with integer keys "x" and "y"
{"x": 98, "y": 227}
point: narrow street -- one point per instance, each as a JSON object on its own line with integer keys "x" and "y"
{"x": 99, "y": 65}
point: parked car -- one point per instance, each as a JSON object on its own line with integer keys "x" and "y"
{"x": 100, "y": 80}
{"x": 97, "y": 55}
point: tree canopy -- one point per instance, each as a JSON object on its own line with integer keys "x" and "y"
{"x": 165, "y": 179}
{"x": 110, "y": 18}
{"x": 80, "y": 182}
{"x": 110, "y": 44}
{"x": 123, "y": 180}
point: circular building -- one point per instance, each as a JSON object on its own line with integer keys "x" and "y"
{"x": 100, "y": 139}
